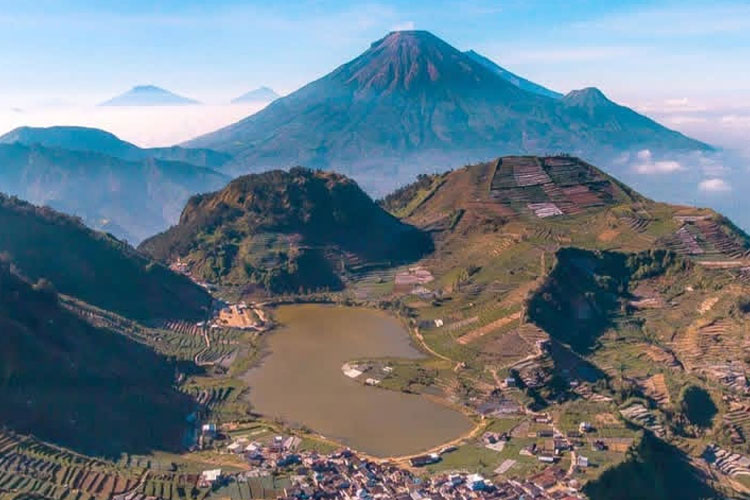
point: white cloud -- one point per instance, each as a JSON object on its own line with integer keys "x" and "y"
{"x": 714, "y": 185}
{"x": 672, "y": 105}
{"x": 645, "y": 164}
{"x": 404, "y": 26}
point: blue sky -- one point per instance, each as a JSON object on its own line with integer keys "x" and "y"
{"x": 683, "y": 63}
{"x": 634, "y": 50}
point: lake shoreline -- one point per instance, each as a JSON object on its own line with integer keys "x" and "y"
{"x": 428, "y": 415}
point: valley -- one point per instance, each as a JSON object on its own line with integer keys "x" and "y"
{"x": 563, "y": 334}
{"x": 488, "y": 261}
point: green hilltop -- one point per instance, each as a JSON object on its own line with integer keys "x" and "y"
{"x": 285, "y": 232}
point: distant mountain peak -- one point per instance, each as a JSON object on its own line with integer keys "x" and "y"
{"x": 414, "y": 62}
{"x": 587, "y": 97}
{"x": 261, "y": 94}
{"x": 149, "y": 95}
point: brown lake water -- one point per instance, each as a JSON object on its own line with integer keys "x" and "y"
{"x": 300, "y": 380}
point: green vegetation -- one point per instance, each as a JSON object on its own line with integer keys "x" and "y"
{"x": 404, "y": 200}
{"x": 92, "y": 266}
{"x": 286, "y": 232}
{"x": 85, "y": 388}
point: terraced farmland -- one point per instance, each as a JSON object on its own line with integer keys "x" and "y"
{"x": 33, "y": 468}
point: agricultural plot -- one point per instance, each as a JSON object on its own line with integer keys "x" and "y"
{"x": 549, "y": 187}
{"x": 30, "y": 467}
{"x": 706, "y": 238}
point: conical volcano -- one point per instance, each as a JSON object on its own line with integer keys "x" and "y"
{"x": 412, "y": 103}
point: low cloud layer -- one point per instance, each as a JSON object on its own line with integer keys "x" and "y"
{"x": 714, "y": 185}
{"x": 645, "y": 164}
{"x": 149, "y": 126}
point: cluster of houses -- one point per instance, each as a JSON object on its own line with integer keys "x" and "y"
{"x": 344, "y": 475}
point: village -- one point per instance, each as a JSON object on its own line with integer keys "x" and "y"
{"x": 343, "y": 474}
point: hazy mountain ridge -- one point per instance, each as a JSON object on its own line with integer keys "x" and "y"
{"x": 149, "y": 95}
{"x": 261, "y": 94}
{"x": 94, "y": 140}
{"x": 131, "y": 199}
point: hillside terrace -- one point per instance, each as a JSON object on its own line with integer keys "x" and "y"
{"x": 549, "y": 187}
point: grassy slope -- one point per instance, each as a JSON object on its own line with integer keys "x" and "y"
{"x": 599, "y": 260}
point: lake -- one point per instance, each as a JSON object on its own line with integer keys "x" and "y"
{"x": 300, "y": 380}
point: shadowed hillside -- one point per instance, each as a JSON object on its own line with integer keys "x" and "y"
{"x": 587, "y": 290}
{"x": 88, "y": 389}
{"x": 655, "y": 470}
{"x": 93, "y": 266}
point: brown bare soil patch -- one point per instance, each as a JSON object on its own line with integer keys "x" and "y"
{"x": 707, "y": 305}
{"x": 490, "y": 327}
{"x": 608, "y": 235}
{"x": 237, "y": 316}
{"x": 655, "y": 387}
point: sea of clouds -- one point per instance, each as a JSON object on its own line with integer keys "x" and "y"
{"x": 145, "y": 126}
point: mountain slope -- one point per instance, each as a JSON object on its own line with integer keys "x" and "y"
{"x": 261, "y": 94}
{"x": 148, "y": 95}
{"x": 131, "y": 199}
{"x": 78, "y": 386}
{"x": 285, "y": 231}
{"x": 93, "y": 266}
{"x": 516, "y": 80}
{"x": 100, "y": 141}
{"x": 412, "y": 103}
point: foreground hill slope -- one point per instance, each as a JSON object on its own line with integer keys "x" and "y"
{"x": 131, "y": 199}
{"x": 285, "y": 231}
{"x": 412, "y": 103}
{"x": 92, "y": 266}
{"x": 601, "y": 304}
{"x": 81, "y": 387}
